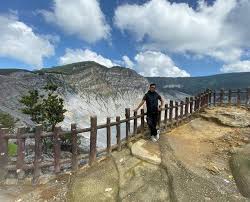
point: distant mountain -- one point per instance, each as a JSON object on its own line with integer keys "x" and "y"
{"x": 194, "y": 85}
{"x": 10, "y": 71}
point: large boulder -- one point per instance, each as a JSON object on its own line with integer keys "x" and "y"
{"x": 147, "y": 151}
{"x": 240, "y": 166}
{"x": 229, "y": 116}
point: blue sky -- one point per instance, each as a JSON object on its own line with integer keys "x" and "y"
{"x": 153, "y": 37}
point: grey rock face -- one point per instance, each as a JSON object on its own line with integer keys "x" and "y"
{"x": 97, "y": 90}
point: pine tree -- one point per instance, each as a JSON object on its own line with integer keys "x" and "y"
{"x": 33, "y": 106}
{"x": 53, "y": 107}
{"x": 45, "y": 109}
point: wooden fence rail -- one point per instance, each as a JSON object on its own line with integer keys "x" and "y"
{"x": 174, "y": 113}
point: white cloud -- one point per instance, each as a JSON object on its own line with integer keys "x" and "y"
{"x": 127, "y": 62}
{"x": 240, "y": 66}
{"x": 79, "y": 55}
{"x": 19, "y": 41}
{"x": 83, "y": 18}
{"x": 152, "y": 63}
{"x": 220, "y": 31}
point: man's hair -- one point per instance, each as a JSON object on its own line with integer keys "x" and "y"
{"x": 152, "y": 84}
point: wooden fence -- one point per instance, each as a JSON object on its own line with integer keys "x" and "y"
{"x": 171, "y": 115}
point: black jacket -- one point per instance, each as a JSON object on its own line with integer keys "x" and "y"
{"x": 152, "y": 101}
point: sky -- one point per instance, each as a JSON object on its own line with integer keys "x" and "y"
{"x": 167, "y": 38}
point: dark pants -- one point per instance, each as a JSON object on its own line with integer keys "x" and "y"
{"x": 152, "y": 118}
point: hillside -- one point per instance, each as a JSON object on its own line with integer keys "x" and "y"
{"x": 10, "y": 71}
{"x": 194, "y": 85}
{"x": 87, "y": 88}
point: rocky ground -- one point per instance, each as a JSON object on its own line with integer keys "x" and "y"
{"x": 206, "y": 159}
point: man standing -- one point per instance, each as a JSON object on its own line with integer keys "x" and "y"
{"x": 151, "y": 98}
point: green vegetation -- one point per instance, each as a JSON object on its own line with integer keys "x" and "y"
{"x": 45, "y": 109}
{"x": 12, "y": 149}
{"x": 52, "y": 107}
{"x": 33, "y": 106}
{"x": 7, "y": 121}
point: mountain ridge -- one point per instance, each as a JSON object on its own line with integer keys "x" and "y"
{"x": 90, "y": 88}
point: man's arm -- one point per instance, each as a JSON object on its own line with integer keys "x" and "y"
{"x": 162, "y": 102}
{"x": 142, "y": 102}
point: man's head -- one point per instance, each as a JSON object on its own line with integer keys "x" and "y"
{"x": 152, "y": 87}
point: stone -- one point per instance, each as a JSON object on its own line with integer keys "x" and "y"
{"x": 140, "y": 180}
{"x": 232, "y": 150}
{"x": 240, "y": 166}
{"x": 44, "y": 179}
{"x": 97, "y": 183}
{"x": 213, "y": 169}
{"x": 147, "y": 151}
{"x": 11, "y": 181}
{"x": 27, "y": 181}
{"x": 108, "y": 189}
{"x": 234, "y": 116}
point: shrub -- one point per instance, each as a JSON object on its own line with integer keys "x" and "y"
{"x": 7, "y": 121}
{"x": 12, "y": 149}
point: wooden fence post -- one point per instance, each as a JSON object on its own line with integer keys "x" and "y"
{"x": 135, "y": 123}
{"x": 57, "y": 149}
{"x": 195, "y": 103}
{"x": 214, "y": 96}
{"x": 159, "y": 118}
{"x": 248, "y": 96}
{"x": 142, "y": 121}
{"x": 204, "y": 104}
{"x": 109, "y": 149}
{"x": 221, "y": 96}
{"x": 210, "y": 97}
{"x": 3, "y": 153}
{"x": 166, "y": 116}
{"x": 118, "y": 133}
{"x": 191, "y": 104}
{"x": 20, "y": 153}
{"x": 200, "y": 101}
{"x": 238, "y": 97}
{"x": 229, "y": 97}
{"x": 186, "y": 106}
{"x": 38, "y": 153}
{"x": 127, "y": 115}
{"x": 171, "y": 112}
{"x": 206, "y": 98}
{"x": 93, "y": 137}
{"x": 74, "y": 147}
{"x": 176, "y": 113}
{"x": 181, "y": 112}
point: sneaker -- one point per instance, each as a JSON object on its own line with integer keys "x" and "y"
{"x": 158, "y": 135}
{"x": 153, "y": 139}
